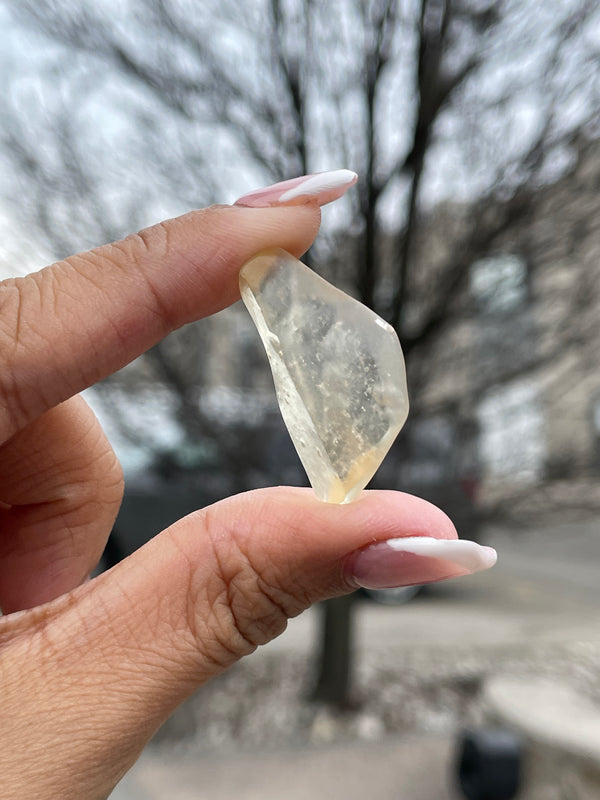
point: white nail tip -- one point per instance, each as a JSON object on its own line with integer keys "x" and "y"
{"x": 315, "y": 184}
{"x": 469, "y": 555}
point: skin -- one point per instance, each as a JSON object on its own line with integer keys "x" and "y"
{"x": 90, "y": 669}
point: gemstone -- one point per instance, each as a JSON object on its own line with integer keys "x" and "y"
{"x": 338, "y": 371}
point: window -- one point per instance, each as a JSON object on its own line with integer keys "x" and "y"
{"x": 512, "y": 443}
{"x": 499, "y": 283}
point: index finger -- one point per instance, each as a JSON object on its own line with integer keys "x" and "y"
{"x": 71, "y": 324}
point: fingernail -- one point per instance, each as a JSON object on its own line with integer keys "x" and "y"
{"x": 322, "y": 187}
{"x": 417, "y": 559}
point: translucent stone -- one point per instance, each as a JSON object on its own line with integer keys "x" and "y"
{"x": 338, "y": 371}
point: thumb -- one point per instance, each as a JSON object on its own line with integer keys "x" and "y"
{"x": 119, "y": 653}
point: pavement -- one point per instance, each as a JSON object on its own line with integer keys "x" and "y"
{"x": 382, "y": 771}
{"x": 544, "y": 590}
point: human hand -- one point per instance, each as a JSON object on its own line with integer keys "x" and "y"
{"x": 90, "y": 669}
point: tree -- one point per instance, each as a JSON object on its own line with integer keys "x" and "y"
{"x": 430, "y": 101}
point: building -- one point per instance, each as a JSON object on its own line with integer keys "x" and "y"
{"x": 514, "y": 381}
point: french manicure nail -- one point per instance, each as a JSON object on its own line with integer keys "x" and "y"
{"x": 322, "y": 187}
{"x": 417, "y": 559}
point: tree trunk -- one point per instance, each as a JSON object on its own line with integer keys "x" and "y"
{"x": 334, "y": 670}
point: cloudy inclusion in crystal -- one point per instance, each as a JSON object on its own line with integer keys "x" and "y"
{"x": 338, "y": 372}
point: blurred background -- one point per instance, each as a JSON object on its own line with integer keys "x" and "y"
{"x": 474, "y": 230}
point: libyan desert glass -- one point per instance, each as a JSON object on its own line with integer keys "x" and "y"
{"x": 338, "y": 371}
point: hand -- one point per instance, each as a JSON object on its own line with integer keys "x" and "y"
{"x": 90, "y": 669}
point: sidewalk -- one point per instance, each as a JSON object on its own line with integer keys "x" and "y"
{"x": 411, "y": 769}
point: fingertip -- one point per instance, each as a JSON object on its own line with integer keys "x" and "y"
{"x": 292, "y": 228}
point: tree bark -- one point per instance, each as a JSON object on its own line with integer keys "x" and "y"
{"x": 334, "y": 666}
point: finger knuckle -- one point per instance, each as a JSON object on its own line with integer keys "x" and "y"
{"x": 246, "y": 607}
{"x": 95, "y": 479}
{"x": 139, "y": 253}
{"x": 21, "y": 301}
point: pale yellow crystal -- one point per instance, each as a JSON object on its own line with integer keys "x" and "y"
{"x": 338, "y": 372}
